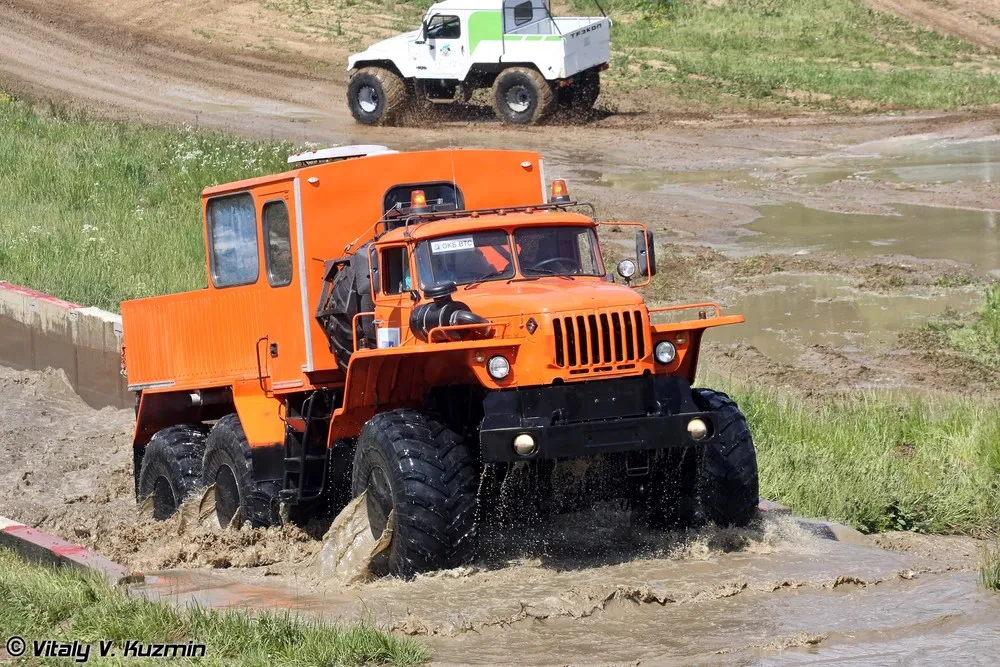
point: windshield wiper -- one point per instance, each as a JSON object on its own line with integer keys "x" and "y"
{"x": 548, "y": 272}
{"x": 492, "y": 274}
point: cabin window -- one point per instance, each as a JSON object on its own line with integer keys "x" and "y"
{"x": 395, "y": 269}
{"x": 440, "y": 196}
{"x": 232, "y": 230}
{"x": 523, "y": 13}
{"x": 444, "y": 27}
{"x": 278, "y": 255}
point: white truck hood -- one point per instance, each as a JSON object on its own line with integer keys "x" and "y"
{"x": 388, "y": 49}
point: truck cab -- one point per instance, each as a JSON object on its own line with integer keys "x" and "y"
{"x": 461, "y": 46}
{"x": 418, "y": 328}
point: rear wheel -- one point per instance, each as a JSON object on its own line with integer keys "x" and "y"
{"x": 522, "y": 96}
{"x": 728, "y": 482}
{"x": 376, "y": 96}
{"x": 171, "y": 468}
{"x": 228, "y": 465}
{"x": 416, "y": 469}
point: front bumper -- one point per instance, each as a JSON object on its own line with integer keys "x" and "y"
{"x": 599, "y": 417}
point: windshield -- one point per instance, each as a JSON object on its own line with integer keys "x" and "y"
{"x": 485, "y": 256}
{"x": 465, "y": 258}
{"x": 559, "y": 251}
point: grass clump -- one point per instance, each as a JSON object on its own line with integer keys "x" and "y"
{"x": 989, "y": 567}
{"x": 39, "y": 603}
{"x": 97, "y": 212}
{"x": 823, "y": 53}
{"x": 880, "y": 460}
{"x": 976, "y": 338}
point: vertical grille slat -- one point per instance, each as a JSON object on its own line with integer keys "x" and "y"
{"x": 599, "y": 339}
{"x": 606, "y": 338}
{"x": 616, "y": 323}
{"x": 558, "y": 335}
{"x": 570, "y": 341}
{"x": 629, "y": 337}
{"x": 595, "y": 339}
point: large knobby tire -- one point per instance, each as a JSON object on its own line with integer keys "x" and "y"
{"x": 352, "y": 294}
{"x": 171, "y": 468}
{"x": 522, "y": 96}
{"x": 728, "y": 482}
{"x": 667, "y": 497}
{"x": 376, "y": 96}
{"x": 228, "y": 465}
{"x": 413, "y": 466}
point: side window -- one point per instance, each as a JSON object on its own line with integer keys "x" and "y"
{"x": 395, "y": 269}
{"x": 278, "y": 254}
{"x": 444, "y": 27}
{"x": 523, "y": 13}
{"x": 232, "y": 233}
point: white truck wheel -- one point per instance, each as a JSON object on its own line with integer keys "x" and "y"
{"x": 522, "y": 96}
{"x": 376, "y": 96}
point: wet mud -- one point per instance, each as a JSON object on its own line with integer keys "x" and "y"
{"x": 581, "y": 588}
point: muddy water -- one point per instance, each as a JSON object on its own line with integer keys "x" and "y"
{"x": 926, "y": 232}
{"x": 587, "y": 591}
{"x": 791, "y": 313}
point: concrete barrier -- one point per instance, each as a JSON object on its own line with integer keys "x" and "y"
{"x": 39, "y": 331}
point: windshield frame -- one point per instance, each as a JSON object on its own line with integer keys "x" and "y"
{"x": 514, "y": 270}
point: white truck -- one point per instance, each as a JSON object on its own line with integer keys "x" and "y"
{"x": 533, "y": 61}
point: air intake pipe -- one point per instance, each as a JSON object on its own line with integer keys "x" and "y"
{"x": 444, "y": 312}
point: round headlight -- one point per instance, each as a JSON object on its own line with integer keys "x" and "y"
{"x": 626, "y": 268}
{"x": 665, "y": 352}
{"x": 498, "y": 367}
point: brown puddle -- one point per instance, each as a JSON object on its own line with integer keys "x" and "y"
{"x": 587, "y": 590}
{"x": 926, "y": 232}
{"x": 793, "y": 312}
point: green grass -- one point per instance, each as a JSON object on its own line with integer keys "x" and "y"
{"x": 39, "y": 603}
{"x": 880, "y": 460}
{"x": 975, "y": 339}
{"x": 821, "y": 53}
{"x": 97, "y": 212}
{"x": 989, "y": 566}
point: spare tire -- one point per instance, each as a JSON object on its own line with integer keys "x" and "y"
{"x": 351, "y": 294}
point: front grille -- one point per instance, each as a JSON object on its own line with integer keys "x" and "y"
{"x": 599, "y": 340}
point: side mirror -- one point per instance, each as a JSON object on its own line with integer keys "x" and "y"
{"x": 423, "y": 32}
{"x": 645, "y": 251}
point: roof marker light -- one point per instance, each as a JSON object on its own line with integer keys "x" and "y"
{"x": 559, "y": 191}
{"x": 418, "y": 201}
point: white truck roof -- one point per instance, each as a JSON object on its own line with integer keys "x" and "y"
{"x": 337, "y": 153}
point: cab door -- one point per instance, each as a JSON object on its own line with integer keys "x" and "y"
{"x": 446, "y": 51}
{"x": 392, "y": 283}
{"x": 282, "y": 352}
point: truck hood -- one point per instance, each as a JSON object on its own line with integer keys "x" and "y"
{"x": 547, "y": 295}
{"x": 387, "y": 49}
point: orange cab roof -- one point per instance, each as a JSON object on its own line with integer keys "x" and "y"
{"x": 468, "y": 223}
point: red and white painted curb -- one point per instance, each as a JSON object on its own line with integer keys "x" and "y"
{"x": 34, "y": 545}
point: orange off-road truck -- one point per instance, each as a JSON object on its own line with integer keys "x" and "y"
{"x": 423, "y": 327}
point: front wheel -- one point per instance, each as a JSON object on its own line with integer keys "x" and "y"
{"x": 728, "y": 481}
{"x": 522, "y": 96}
{"x": 376, "y": 96}
{"x": 421, "y": 473}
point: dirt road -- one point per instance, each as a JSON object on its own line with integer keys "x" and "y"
{"x": 975, "y": 20}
